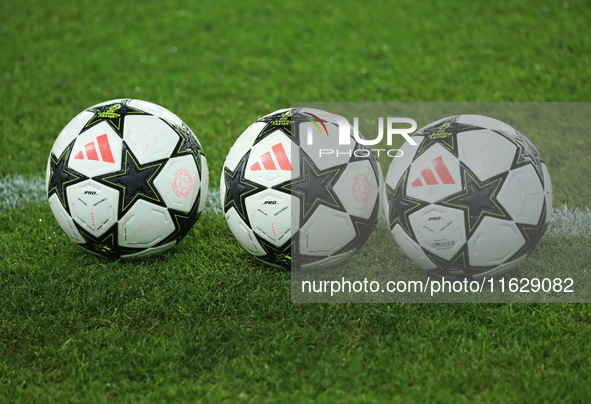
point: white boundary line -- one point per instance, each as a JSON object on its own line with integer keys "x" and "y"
{"x": 16, "y": 191}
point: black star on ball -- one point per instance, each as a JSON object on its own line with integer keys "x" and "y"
{"x": 527, "y": 154}
{"x": 532, "y": 234}
{"x": 457, "y": 267}
{"x": 62, "y": 176}
{"x": 187, "y": 144}
{"x": 113, "y": 114}
{"x": 281, "y": 256}
{"x": 445, "y": 134}
{"x": 314, "y": 187}
{"x": 105, "y": 244}
{"x": 363, "y": 230}
{"x": 183, "y": 222}
{"x": 478, "y": 198}
{"x": 400, "y": 205}
{"x": 134, "y": 180}
{"x": 239, "y": 188}
{"x": 278, "y": 122}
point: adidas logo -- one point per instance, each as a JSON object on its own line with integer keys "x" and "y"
{"x": 269, "y": 163}
{"x": 91, "y": 153}
{"x": 429, "y": 177}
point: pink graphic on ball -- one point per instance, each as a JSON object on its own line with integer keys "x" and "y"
{"x": 183, "y": 183}
{"x": 361, "y": 188}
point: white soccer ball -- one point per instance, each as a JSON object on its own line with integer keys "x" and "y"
{"x": 472, "y": 200}
{"x": 126, "y": 179}
{"x": 298, "y": 205}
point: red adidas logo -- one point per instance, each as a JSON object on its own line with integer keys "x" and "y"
{"x": 268, "y": 161}
{"x": 429, "y": 177}
{"x": 91, "y": 152}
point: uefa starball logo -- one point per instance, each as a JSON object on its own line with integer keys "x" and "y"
{"x": 388, "y": 127}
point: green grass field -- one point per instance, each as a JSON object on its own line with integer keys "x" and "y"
{"x": 207, "y": 322}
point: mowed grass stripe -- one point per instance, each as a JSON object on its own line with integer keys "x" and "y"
{"x": 16, "y": 191}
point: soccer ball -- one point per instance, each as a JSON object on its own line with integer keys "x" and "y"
{"x": 126, "y": 179}
{"x": 472, "y": 200}
{"x": 293, "y": 204}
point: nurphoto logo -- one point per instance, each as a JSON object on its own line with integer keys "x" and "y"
{"x": 344, "y": 134}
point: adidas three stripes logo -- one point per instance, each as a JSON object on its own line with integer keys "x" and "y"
{"x": 268, "y": 160}
{"x": 429, "y": 178}
{"x": 91, "y": 151}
